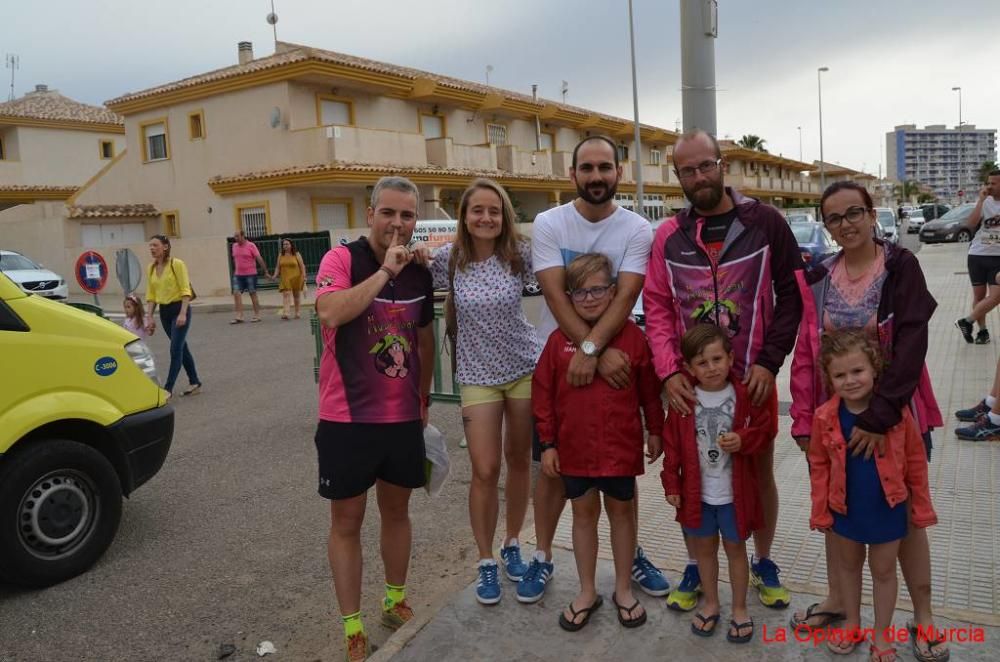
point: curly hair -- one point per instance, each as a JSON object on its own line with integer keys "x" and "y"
{"x": 841, "y": 342}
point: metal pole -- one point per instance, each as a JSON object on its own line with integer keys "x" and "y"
{"x": 822, "y": 164}
{"x": 699, "y": 29}
{"x": 638, "y": 207}
{"x": 800, "y": 142}
{"x": 961, "y": 145}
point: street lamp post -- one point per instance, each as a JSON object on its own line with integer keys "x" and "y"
{"x": 800, "y": 142}
{"x": 961, "y": 145}
{"x": 822, "y": 164}
{"x": 638, "y": 206}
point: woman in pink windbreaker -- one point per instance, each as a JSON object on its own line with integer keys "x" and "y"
{"x": 877, "y": 286}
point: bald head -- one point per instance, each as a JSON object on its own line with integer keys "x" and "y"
{"x": 696, "y": 140}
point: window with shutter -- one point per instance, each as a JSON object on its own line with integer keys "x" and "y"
{"x": 332, "y": 110}
{"x": 155, "y": 146}
{"x": 253, "y": 221}
{"x": 496, "y": 134}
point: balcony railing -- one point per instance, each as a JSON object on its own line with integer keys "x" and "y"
{"x": 355, "y": 144}
{"x": 519, "y": 162}
{"x": 445, "y": 153}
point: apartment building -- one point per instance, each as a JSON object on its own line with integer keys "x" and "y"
{"x": 294, "y": 142}
{"x": 50, "y": 145}
{"x": 943, "y": 160}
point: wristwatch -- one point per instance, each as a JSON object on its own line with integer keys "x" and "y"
{"x": 588, "y": 348}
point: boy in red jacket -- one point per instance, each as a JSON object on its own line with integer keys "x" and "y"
{"x": 592, "y": 436}
{"x": 709, "y": 476}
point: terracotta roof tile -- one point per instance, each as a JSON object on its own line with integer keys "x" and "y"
{"x": 50, "y": 105}
{"x": 139, "y": 210}
{"x": 344, "y": 166}
{"x": 289, "y": 53}
{"x": 36, "y": 188}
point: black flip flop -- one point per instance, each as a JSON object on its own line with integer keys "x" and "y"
{"x": 705, "y": 620}
{"x": 572, "y": 626}
{"x": 828, "y": 618}
{"x": 738, "y": 638}
{"x": 932, "y": 656}
{"x": 629, "y": 622}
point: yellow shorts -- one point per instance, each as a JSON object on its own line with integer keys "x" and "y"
{"x": 519, "y": 389}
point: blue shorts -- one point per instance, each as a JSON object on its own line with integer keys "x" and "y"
{"x": 246, "y": 284}
{"x": 715, "y": 520}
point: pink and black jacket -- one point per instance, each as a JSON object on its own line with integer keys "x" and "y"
{"x": 755, "y": 292}
{"x": 904, "y": 311}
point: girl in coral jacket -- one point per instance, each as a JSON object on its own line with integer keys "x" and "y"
{"x": 709, "y": 476}
{"x": 592, "y": 437}
{"x": 864, "y": 502}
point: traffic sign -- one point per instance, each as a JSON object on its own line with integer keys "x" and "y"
{"x": 128, "y": 270}
{"x": 91, "y": 272}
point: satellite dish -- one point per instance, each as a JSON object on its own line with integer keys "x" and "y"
{"x": 128, "y": 270}
{"x": 275, "y": 117}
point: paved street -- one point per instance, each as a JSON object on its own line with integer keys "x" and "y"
{"x": 227, "y": 544}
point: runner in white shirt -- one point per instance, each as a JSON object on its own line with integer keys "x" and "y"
{"x": 983, "y": 260}
{"x": 590, "y": 223}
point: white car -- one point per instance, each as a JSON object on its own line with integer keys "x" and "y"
{"x": 914, "y": 221}
{"x": 31, "y": 277}
{"x": 886, "y": 218}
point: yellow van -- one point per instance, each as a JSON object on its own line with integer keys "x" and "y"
{"x": 83, "y": 423}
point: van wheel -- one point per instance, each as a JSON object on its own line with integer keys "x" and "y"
{"x": 60, "y": 504}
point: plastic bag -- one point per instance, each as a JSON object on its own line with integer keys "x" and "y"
{"x": 437, "y": 464}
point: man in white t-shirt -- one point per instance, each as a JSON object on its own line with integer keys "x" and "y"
{"x": 592, "y": 222}
{"x": 984, "y": 260}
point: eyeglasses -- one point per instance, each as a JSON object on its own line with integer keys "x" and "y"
{"x": 705, "y": 168}
{"x": 597, "y": 293}
{"x": 852, "y": 215}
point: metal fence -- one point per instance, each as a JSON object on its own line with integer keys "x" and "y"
{"x": 311, "y": 245}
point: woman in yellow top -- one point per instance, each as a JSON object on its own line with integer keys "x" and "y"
{"x": 291, "y": 274}
{"x": 169, "y": 287}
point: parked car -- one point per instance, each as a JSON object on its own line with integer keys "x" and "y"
{"x": 83, "y": 423}
{"x": 815, "y": 242}
{"x": 950, "y": 227}
{"x": 914, "y": 220}
{"x": 798, "y": 216}
{"x": 934, "y": 211}
{"x": 886, "y": 219}
{"x": 31, "y": 277}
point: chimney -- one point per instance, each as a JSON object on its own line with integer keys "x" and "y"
{"x": 245, "y": 51}
{"x": 41, "y": 88}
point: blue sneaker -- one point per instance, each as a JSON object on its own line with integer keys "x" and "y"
{"x": 513, "y": 566}
{"x": 973, "y": 414}
{"x": 764, "y": 577}
{"x": 685, "y": 596}
{"x": 488, "y": 588}
{"x": 531, "y": 588}
{"x": 983, "y": 430}
{"x": 648, "y": 576}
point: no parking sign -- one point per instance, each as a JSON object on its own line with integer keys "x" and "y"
{"x": 91, "y": 272}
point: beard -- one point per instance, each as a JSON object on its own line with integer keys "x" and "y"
{"x": 706, "y": 196}
{"x": 602, "y": 192}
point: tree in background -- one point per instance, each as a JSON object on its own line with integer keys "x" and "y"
{"x": 905, "y": 190}
{"x": 986, "y": 169}
{"x": 750, "y": 141}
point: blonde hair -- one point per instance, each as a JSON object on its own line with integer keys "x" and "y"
{"x": 584, "y": 266}
{"x": 843, "y": 341}
{"x": 507, "y": 245}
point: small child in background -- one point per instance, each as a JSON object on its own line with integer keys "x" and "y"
{"x": 709, "y": 476}
{"x": 134, "y": 316}
{"x": 864, "y": 504}
{"x": 592, "y": 436}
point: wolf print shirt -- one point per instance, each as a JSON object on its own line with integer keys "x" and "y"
{"x": 714, "y": 417}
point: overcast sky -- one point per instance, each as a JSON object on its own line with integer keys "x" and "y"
{"x": 891, "y": 61}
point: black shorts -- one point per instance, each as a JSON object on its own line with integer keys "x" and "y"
{"x": 353, "y": 455}
{"x": 983, "y": 269}
{"x": 620, "y": 488}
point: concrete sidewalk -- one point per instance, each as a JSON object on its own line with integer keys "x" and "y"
{"x": 965, "y": 546}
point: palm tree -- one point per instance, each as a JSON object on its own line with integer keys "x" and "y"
{"x": 905, "y": 190}
{"x": 986, "y": 169}
{"x": 750, "y": 141}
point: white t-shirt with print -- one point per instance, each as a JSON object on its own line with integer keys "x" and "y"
{"x": 714, "y": 416}
{"x": 987, "y": 240}
{"x": 561, "y": 233}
